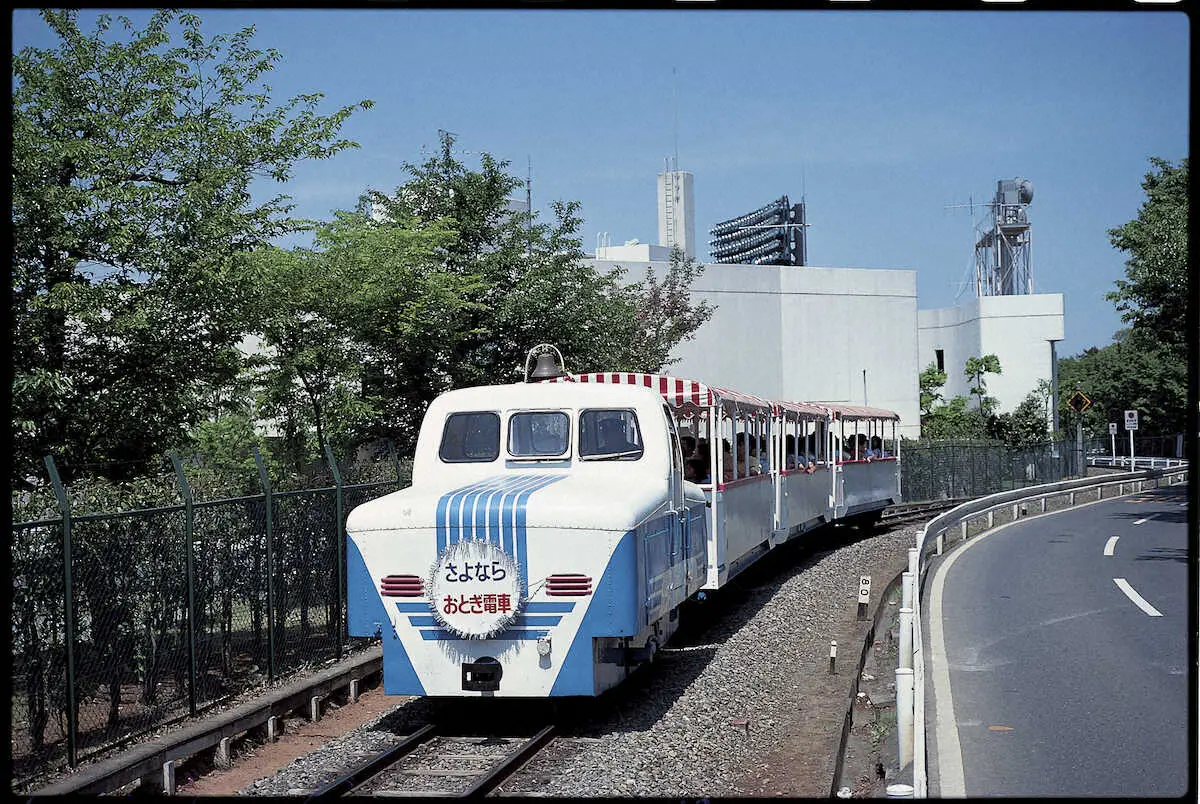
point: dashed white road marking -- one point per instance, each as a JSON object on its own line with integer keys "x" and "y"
{"x": 1145, "y": 519}
{"x": 1137, "y": 599}
{"x": 1112, "y": 543}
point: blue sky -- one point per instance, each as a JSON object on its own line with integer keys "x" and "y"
{"x": 881, "y": 119}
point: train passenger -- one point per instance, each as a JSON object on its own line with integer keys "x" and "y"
{"x": 877, "y": 450}
{"x": 789, "y": 448}
{"x": 726, "y": 461}
{"x": 699, "y": 470}
{"x": 688, "y": 444}
{"x": 764, "y": 454}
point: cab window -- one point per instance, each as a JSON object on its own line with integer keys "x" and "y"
{"x": 539, "y": 434}
{"x": 471, "y": 438}
{"x": 609, "y": 435}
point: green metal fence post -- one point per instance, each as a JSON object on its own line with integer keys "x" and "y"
{"x": 189, "y": 541}
{"x": 64, "y": 506}
{"x": 339, "y": 532}
{"x": 266, "y": 484}
{"x": 395, "y": 456}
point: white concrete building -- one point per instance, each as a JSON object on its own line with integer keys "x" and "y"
{"x": 800, "y": 333}
{"x": 1021, "y": 330}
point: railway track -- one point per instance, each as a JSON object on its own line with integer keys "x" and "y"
{"x": 427, "y": 763}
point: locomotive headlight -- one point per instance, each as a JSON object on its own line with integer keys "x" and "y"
{"x": 543, "y": 646}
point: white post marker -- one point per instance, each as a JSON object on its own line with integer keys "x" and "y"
{"x": 832, "y": 654}
{"x": 904, "y": 714}
{"x": 906, "y": 638}
{"x": 1131, "y": 424}
{"x": 864, "y": 595}
{"x": 1112, "y": 434}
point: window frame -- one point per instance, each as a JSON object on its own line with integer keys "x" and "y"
{"x": 637, "y": 423}
{"x": 445, "y": 430}
{"x": 558, "y": 456}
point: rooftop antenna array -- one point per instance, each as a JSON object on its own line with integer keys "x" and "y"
{"x": 1003, "y": 240}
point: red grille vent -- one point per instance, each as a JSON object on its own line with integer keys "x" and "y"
{"x": 402, "y": 586}
{"x": 568, "y": 585}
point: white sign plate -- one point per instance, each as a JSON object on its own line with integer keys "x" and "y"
{"x": 475, "y": 589}
{"x": 1112, "y": 428}
{"x": 864, "y": 589}
{"x": 1131, "y": 417}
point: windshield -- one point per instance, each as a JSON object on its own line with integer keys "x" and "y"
{"x": 540, "y": 434}
{"x": 609, "y": 435}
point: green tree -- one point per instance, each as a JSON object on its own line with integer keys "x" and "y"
{"x": 658, "y": 316}
{"x": 344, "y": 323}
{"x": 528, "y": 283}
{"x": 974, "y": 370}
{"x": 133, "y": 159}
{"x": 1153, "y": 298}
{"x": 930, "y": 382}
{"x": 1134, "y": 372}
{"x": 1025, "y": 424}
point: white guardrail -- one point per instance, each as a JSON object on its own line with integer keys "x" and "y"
{"x": 958, "y": 525}
{"x": 1146, "y": 463}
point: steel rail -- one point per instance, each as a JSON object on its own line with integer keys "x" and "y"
{"x": 343, "y": 785}
{"x": 495, "y": 775}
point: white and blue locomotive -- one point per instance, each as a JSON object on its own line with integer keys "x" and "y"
{"x": 550, "y": 536}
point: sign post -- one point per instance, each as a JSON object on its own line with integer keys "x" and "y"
{"x": 1079, "y": 403}
{"x": 1112, "y": 434}
{"x": 864, "y": 595}
{"x": 1131, "y": 424}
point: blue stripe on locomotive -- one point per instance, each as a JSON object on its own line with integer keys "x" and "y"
{"x": 364, "y": 612}
{"x": 612, "y": 612}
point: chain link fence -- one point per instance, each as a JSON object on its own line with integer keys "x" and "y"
{"x": 948, "y": 470}
{"x": 123, "y": 622}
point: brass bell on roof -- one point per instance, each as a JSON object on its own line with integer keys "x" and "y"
{"x": 546, "y": 368}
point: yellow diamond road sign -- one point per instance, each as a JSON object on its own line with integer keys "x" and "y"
{"x": 1079, "y": 403}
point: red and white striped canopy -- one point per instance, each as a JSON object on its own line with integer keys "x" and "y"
{"x": 852, "y": 412}
{"x": 806, "y": 410}
{"x": 675, "y": 390}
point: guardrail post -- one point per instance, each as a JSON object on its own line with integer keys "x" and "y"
{"x": 991, "y": 518}
{"x": 339, "y": 531}
{"x": 914, "y": 561}
{"x": 940, "y": 539}
{"x": 906, "y": 637}
{"x": 904, "y": 713}
{"x": 188, "y": 535}
{"x": 269, "y": 504}
{"x": 64, "y": 507}
{"x": 1043, "y": 501}
{"x": 906, "y": 591}
{"x": 963, "y": 525}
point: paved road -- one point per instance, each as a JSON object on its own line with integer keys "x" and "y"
{"x": 1065, "y": 645}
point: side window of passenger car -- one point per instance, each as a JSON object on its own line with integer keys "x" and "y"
{"x": 471, "y": 437}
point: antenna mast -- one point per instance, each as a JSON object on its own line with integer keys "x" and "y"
{"x": 529, "y": 205}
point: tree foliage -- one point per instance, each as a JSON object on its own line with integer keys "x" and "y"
{"x": 929, "y": 382}
{"x": 133, "y": 160}
{"x": 956, "y": 418}
{"x": 1153, "y": 298}
{"x": 1145, "y": 367}
{"x": 513, "y": 282}
{"x": 974, "y": 370}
